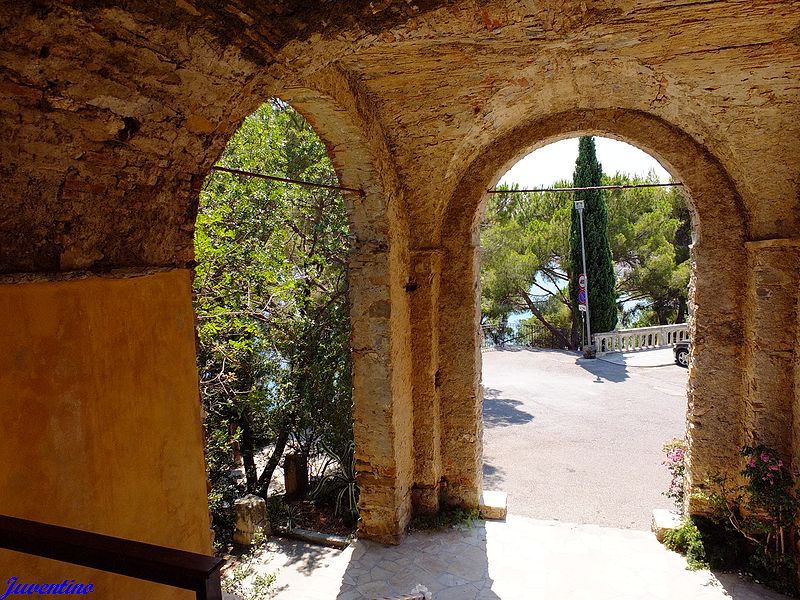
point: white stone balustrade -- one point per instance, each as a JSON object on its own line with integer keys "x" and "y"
{"x": 641, "y": 338}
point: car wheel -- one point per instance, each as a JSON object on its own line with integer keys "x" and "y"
{"x": 682, "y": 357}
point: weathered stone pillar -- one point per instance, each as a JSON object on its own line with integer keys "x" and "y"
{"x": 715, "y": 386}
{"x": 460, "y": 368}
{"x": 796, "y": 404}
{"x": 382, "y": 405}
{"x": 772, "y": 415}
{"x": 424, "y": 289}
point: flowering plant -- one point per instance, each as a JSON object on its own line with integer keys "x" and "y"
{"x": 770, "y": 492}
{"x": 675, "y": 461}
{"x": 761, "y": 505}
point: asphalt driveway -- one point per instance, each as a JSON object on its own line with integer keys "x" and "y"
{"x": 580, "y": 440}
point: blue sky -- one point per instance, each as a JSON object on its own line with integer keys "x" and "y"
{"x": 557, "y": 161}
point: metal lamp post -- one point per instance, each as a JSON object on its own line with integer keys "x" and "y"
{"x": 579, "y": 208}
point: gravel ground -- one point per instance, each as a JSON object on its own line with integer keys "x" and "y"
{"x": 580, "y": 440}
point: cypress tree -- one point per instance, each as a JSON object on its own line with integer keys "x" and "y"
{"x": 599, "y": 265}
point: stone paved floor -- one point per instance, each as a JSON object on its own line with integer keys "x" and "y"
{"x": 519, "y": 559}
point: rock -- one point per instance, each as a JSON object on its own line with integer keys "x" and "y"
{"x": 314, "y": 537}
{"x": 251, "y": 517}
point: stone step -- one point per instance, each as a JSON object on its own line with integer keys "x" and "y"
{"x": 314, "y": 537}
{"x": 493, "y": 505}
{"x": 664, "y": 520}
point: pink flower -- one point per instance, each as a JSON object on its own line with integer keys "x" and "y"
{"x": 774, "y": 468}
{"x": 751, "y": 463}
{"x": 765, "y": 457}
{"x": 780, "y": 463}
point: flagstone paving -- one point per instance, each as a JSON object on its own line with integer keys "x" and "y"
{"x": 518, "y": 559}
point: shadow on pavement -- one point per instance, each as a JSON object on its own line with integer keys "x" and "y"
{"x": 740, "y": 587}
{"x": 300, "y": 556}
{"x": 603, "y": 370}
{"x": 531, "y": 350}
{"x": 493, "y": 477}
{"x": 502, "y": 412}
{"x": 450, "y": 564}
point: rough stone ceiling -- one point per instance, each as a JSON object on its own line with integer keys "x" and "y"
{"x": 463, "y": 73}
{"x": 129, "y": 102}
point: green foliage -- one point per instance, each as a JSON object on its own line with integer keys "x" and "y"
{"x": 282, "y": 514}
{"x": 770, "y": 487}
{"x": 708, "y": 544}
{"x": 650, "y": 232}
{"x": 526, "y": 256}
{"x": 224, "y": 491}
{"x": 243, "y": 581}
{"x": 778, "y": 571}
{"x": 525, "y": 239}
{"x": 340, "y": 483}
{"x": 600, "y": 276}
{"x": 687, "y": 540}
{"x": 271, "y": 303}
{"x": 445, "y": 519}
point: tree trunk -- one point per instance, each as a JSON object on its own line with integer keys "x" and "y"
{"x": 681, "y": 318}
{"x": 248, "y": 456}
{"x": 280, "y": 445}
{"x": 574, "y": 335}
{"x": 538, "y": 314}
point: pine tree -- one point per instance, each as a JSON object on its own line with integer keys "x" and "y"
{"x": 599, "y": 266}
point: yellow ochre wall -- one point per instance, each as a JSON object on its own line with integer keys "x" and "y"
{"x": 100, "y": 425}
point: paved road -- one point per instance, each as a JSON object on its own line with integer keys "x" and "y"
{"x": 578, "y": 440}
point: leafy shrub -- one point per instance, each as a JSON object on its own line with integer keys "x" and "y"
{"x": 245, "y": 583}
{"x": 224, "y": 491}
{"x": 762, "y": 512}
{"x": 444, "y": 519}
{"x": 281, "y": 514}
{"x": 687, "y": 540}
{"x": 340, "y": 483}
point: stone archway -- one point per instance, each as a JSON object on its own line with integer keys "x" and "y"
{"x": 108, "y": 310}
{"x": 112, "y": 116}
{"x": 716, "y": 409}
{"x": 379, "y": 306}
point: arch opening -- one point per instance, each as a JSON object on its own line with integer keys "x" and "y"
{"x": 274, "y": 324}
{"x": 593, "y": 429}
{"x": 375, "y": 260}
{"x": 715, "y": 397}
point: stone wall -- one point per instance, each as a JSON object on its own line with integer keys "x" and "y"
{"x": 110, "y": 118}
{"x": 771, "y": 350}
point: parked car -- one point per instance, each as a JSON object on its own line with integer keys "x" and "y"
{"x": 681, "y": 350}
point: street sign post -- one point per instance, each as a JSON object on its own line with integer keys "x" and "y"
{"x": 584, "y": 284}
